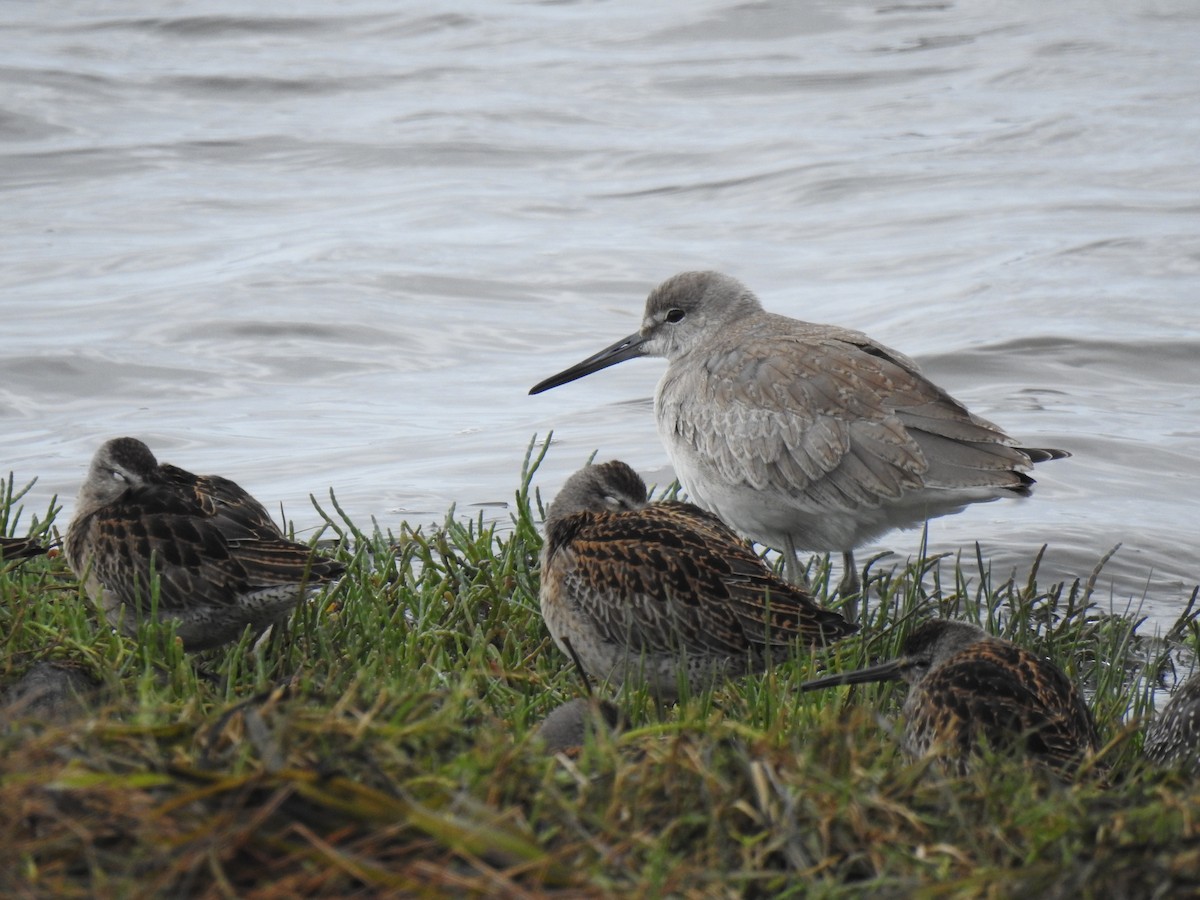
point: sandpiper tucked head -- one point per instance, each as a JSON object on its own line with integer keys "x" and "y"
{"x": 199, "y": 546}
{"x": 566, "y": 728}
{"x": 968, "y": 686}
{"x": 664, "y": 592}
{"x": 804, "y": 436}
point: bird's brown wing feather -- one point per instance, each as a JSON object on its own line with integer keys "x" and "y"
{"x": 214, "y": 496}
{"x": 1006, "y": 695}
{"x": 669, "y": 575}
{"x": 199, "y": 556}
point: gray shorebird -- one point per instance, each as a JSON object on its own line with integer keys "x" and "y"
{"x": 663, "y": 592}
{"x": 804, "y": 436}
{"x": 1173, "y": 738}
{"x": 966, "y": 686}
{"x": 218, "y": 561}
{"x": 13, "y": 548}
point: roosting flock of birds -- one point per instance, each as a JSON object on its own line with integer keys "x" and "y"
{"x": 799, "y": 436}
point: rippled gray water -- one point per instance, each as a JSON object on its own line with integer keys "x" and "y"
{"x": 333, "y": 245}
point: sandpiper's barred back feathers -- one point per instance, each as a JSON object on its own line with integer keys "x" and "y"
{"x": 1173, "y": 738}
{"x": 665, "y": 590}
{"x": 967, "y": 686}
{"x": 219, "y": 561}
{"x": 805, "y": 436}
{"x": 215, "y": 495}
{"x": 14, "y": 548}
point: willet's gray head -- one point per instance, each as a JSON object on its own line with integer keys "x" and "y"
{"x": 805, "y": 436}
{"x": 968, "y": 686}
{"x": 663, "y": 592}
{"x": 681, "y": 314}
{"x": 199, "y": 546}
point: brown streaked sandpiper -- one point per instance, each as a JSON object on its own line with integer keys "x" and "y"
{"x": 1173, "y": 738}
{"x": 966, "y": 686}
{"x": 664, "y": 592}
{"x": 217, "y": 561}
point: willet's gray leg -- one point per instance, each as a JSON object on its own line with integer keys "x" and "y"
{"x": 850, "y": 586}
{"x": 792, "y": 570}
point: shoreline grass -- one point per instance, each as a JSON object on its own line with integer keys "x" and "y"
{"x": 381, "y": 745}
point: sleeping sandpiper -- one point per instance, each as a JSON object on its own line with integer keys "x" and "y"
{"x": 664, "y": 592}
{"x": 210, "y": 551}
{"x": 966, "y": 686}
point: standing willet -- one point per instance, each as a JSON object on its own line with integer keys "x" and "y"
{"x": 1173, "y": 738}
{"x": 967, "y": 686}
{"x": 663, "y": 592}
{"x": 207, "y": 547}
{"x": 804, "y": 436}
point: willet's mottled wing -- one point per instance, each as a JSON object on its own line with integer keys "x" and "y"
{"x": 218, "y": 562}
{"x": 804, "y": 436}
{"x": 1173, "y": 738}
{"x": 967, "y": 686}
{"x": 663, "y": 592}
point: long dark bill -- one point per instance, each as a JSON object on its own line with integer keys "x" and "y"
{"x": 626, "y": 348}
{"x": 20, "y": 548}
{"x": 887, "y": 671}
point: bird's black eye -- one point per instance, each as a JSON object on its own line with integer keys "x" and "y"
{"x": 674, "y": 315}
